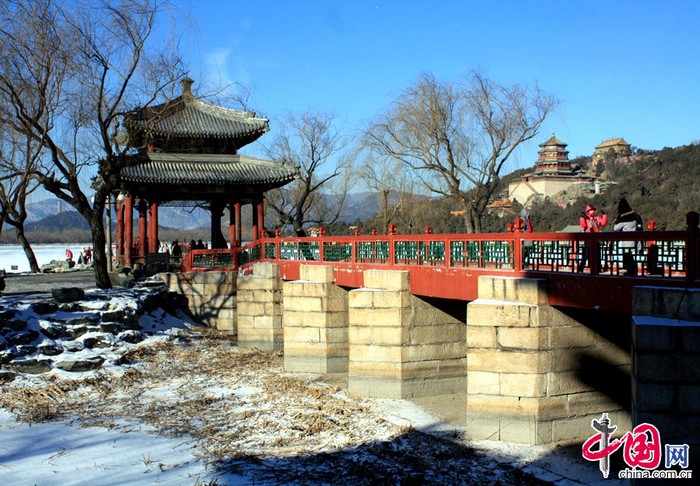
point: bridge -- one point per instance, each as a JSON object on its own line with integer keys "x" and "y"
{"x": 527, "y": 336}
{"x": 449, "y": 266}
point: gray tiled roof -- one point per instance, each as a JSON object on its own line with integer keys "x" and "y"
{"x": 191, "y": 117}
{"x": 166, "y": 168}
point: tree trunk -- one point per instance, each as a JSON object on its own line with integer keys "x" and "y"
{"x": 99, "y": 241}
{"x": 28, "y": 251}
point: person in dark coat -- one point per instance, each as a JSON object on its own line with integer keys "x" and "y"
{"x": 627, "y": 220}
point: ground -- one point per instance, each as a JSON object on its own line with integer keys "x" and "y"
{"x": 245, "y": 421}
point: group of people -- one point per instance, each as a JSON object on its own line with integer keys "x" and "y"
{"x": 85, "y": 256}
{"x": 625, "y": 220}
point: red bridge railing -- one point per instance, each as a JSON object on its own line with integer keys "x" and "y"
{"x": 448, "y": 265}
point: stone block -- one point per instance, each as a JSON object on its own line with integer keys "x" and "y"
{"x": 482, "y": 312}
{"x": 373, "y": 354}
{"x": 388, "y": 317}
{"x": 680, "y": 304}
{"x": 522, "y": 290}
{"x": 653, "y": 397}
{"x": 566, "y": 382}
{"x": 508, "y": 362}
{"x": 266, "y": 269}
{"x": 303, "y": 304}
{"x": 361, "y": 298}
{"x": 572, "y": 337}
{"x": 522, "y": 337}
{"x": 317, "y": 273}
{"x": 386, "y": 280}
{"x": 523, "y": 384}
{"x": 481, "y": 337}
{"x": 390, "y": 298}
{"x": 483, "y": 383}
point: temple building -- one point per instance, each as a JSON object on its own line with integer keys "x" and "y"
{"x": 615, "y": 147}
{"x": 186, "y": 154}
{"x": 553, "y": 173}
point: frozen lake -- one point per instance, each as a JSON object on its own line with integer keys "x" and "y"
{"x": 12, "y": 257}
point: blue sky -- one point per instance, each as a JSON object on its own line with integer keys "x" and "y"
{"x": 619, "y": 68}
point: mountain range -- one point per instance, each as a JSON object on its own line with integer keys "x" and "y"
{"x": 55, "y": 215}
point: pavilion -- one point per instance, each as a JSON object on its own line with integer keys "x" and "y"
{"x": 187, "y": 153}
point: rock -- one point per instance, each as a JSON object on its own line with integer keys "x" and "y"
{"x": 7, "y": 376}
{"x": 44, "y": 307}
{"x": 22, "y": 337}
{"x": 131, "y": 336}
{"x": 114, "y": 315}
{"x": 76, "y": 331}
{"x": 25, "y": 350}
{"x": 70, "y": 307}
{"x": 53, "y": 330}
{"x": 81, "y": 364}
{"x": 14, "y": 325}
{"x": 49, "y": 349}
{"x": 101, "y": 341}
{"x": 84, "y": 320}
{"x": 6, "y": 315}
{"x": 67, "y": 294}
{"x": 7, "y": 356}
{"x": 31, "y": 366}
{"x": 111, "y": 327}
{"x": 72, "y": 346}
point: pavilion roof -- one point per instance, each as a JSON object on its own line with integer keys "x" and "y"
{"x": 553, "y": 141}
{"x": 189, "y": 116}
{"x": 205, "y": 169}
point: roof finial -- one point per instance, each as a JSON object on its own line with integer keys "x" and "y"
{"x": 186, "y": 84}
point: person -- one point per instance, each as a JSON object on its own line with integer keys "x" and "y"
{"x": 88, "y": 255}
{"x": 81, "y": 257}
{"x": 176, "y": 250}
{"x": 627, "y": 220}
{"x": 69, "y": 258}
{"x": 590, "y": 222}
{"x": 527, "y": 245}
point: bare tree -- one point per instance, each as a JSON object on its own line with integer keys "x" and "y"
{"x": 17, "y": 161}
{"x": 68, "y": 73}
{"x": 393, "y": 184}
{"x": 457, "y": 138}
{"x": 311, "y": 142}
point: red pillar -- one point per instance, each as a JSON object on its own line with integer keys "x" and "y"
{"x": 261, "y": 219}
{"x": 239, "y": 227}
{"x": 153, "y": 228}
{"x": 255, "y": 228}
{"x": 232, "y": 226}
{"x": 143, "y": 211}
{"x": 128, "y": 229}
{"x": 120, "y": 231}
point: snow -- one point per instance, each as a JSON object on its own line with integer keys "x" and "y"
{"x": 200, "y": 410}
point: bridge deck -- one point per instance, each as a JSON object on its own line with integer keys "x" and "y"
{"x": 584, "y": 270}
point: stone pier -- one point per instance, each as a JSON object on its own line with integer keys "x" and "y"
{"x": 400, "y": 345}
{"x": 666, "y": 370}
{"x": 525, "y": 367}
{"x": 211, "y": 296}
{"x": 260, "y": 308}
{"x": 315, "y": 322}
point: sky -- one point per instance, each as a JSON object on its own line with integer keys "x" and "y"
{"x": 619, "y": 68}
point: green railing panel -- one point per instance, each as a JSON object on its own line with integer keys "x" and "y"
{"x": 337, "y": 252}
{"x": 372, "y": 251}
{"x": 406, "y": 252}
{"x": 432, "y": 252}
{"x": 270, "y": 251}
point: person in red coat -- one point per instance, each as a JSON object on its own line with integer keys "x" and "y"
{"x": 590, "y": 222}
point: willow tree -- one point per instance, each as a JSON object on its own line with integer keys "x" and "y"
{"x": 68, "y": 72}
{"x": 456, "y": 138}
